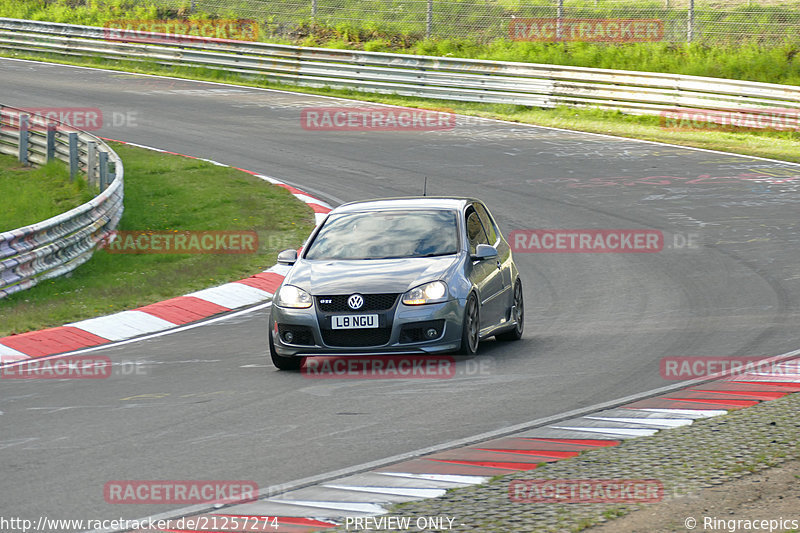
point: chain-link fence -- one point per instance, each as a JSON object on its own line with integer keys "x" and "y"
{"x": 708, "y": 21}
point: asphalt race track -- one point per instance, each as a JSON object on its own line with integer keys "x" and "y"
{"x": 205, "y": 403}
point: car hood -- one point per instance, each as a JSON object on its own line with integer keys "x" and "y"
{"x": 368, "y": 276}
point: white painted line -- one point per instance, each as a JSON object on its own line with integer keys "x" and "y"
{"x": 374, "y": 479}
{"x": 123, "y": 325}
{"x": 449, "y": 478}
{"x": 369, "y": 508}
{"x": 8, "y": 359}
{"x": 767, "y": 377}
{"x": 779, "y": 369}
{"x": 267, "y": 178}
{"x": 394, "y": 491}
{"x": 776, "y": 374}
{"x": 629, "y": 432}
{"x": 693, "y": 413}
{"x": 146, "y": 147}
{"x": 279, "y": 269}
{"x": 212, "y": 162}
{"x": 311, "y": 200}
{"x": 232, "y": 295}
{"x": 8, "y": 354}
{"x": 665, "y": 422}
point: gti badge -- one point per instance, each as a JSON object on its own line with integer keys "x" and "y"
{"x": 355, "y": 301}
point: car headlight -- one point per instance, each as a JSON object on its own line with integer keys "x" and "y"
{"x": 295, "y": 297}
{"x": 430, "y": 293}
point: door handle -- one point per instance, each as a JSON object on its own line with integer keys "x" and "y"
{"x": 499, "y": 264}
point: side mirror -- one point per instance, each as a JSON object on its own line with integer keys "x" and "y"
{"x": 483, "y": 251}
{"x": 287, "y": 257}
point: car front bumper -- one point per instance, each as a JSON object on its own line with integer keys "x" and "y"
{"x": 400, "y": 331}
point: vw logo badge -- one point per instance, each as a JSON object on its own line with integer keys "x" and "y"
{"x": 355, "y": 301}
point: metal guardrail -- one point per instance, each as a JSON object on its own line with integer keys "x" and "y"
{"x": 409, "y": 75}
{"x": 59, "y": 244}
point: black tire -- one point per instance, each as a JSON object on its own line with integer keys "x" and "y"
{"x": 519, "y": 316}
{"x": 470, "y": 327}
{"x": 280, "y": 362}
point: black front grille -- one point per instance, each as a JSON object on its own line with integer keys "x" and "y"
{"x": 356, "y": 337}
{"x": 301, "y": 334}
{"x": 415, "y": 332}
{"x": 372, "y": 302}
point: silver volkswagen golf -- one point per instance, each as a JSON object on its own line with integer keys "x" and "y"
{"x": 397, "y": 276}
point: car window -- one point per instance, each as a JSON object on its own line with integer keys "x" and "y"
{"x": 386, "y": 235}
{"x": 475, "y": 233}
{"x": 488, "y": 223}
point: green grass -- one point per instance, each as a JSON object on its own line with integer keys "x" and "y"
{"x": 768, "y": 64}
{"x": 165, "y": 192}
{"x": 29, "y": 194}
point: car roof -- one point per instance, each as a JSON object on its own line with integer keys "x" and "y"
{"x": 410, "y": 202}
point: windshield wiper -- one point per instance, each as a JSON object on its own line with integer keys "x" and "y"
{"x": 436, "y": 254}
{"x": 432, "y": 254}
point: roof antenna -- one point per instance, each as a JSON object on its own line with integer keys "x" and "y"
{"x": 425, "y": 187}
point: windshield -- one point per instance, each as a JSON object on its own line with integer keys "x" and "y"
{"x": 386, "y": 235}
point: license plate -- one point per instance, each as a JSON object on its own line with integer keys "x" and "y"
{"x": 354, "y": 321}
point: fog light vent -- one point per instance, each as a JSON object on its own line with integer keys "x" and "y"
{"x": 297, "y": 335}
{"x": 421, "y": 331}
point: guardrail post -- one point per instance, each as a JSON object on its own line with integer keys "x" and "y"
{"x": 51, "y": 141}
{"x": 23, "y": 138}
{"x": 103, "y": 170}
{"x": 429, "y": 20}
{"x": 91, "y": 162}
{"x": 73, "y": 155}
{"x": 560, "y": 20}
{"x": 690, "y": 22}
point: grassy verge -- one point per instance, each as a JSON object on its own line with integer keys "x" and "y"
{"x": 753, "y": 62}
{"x": 31, "y": 194}
{"x": 165, "y": 192}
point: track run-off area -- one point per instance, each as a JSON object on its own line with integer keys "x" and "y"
{"x": 204, "y": 403}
